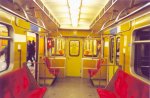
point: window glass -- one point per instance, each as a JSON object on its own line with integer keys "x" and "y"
{"x": 4, "y": 48}
{"x": 59, "y": 46}
{"x": 103, "y": 48}
{"x": 74, "y": 48}
{"x": 111, "y": 50}
{"x": 91, "y": 47}
{"x": 142, "y": 53}
{"x": 3, "y": 30}
{"x": 117, "y": 50}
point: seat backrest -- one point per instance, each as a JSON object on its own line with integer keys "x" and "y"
{"x": 100, "y": 62}
{"x": 17, "y": 83}
{"x": 30, "y": 77}
{"x": 127, "y": 86}
{"x": 47, "y": 62}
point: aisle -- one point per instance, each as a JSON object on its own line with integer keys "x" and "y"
{"x": 71, "y": 88}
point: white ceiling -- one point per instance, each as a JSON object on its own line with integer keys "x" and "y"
{"x": 88, "y": 12}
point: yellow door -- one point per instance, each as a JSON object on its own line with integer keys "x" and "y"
{"x": 74, "y": 57}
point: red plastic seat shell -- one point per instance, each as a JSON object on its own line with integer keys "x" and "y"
{"x": 123, "y": 85}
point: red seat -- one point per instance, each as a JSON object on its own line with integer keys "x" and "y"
{"x": 124, "y": 85}
{"x": 20, "y": 84}
{"x": 54, "y": 71}
{"x": 92, "y": 72}
{"x": 37, "y": 93}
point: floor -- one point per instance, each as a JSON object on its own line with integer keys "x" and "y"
{"x": 71, "y": 88}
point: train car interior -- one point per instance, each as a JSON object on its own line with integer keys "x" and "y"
{"x": 74, "y": 48}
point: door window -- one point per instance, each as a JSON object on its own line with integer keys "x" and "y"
{"x": 74, "y": 48}
{"x": 111, "y": 50}
{"x": 117, "y": 50}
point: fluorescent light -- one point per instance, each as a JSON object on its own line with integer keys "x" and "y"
{"x": 74, "y": 8}
{"x": 74, "y": 14}
{"x": 74, "y": 3}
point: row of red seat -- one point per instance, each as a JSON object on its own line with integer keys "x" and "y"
{"x": 20, "y": 84}
{"x": 93, "y": 72}
{"x": 123, "y": 85}
{"x": 52, "y": 70}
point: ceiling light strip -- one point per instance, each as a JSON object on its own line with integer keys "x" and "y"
{"x": 74, "y": 9}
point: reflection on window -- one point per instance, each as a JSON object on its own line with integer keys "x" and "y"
{"x": 117, "y": 50}
{"x": 74, "y": 48}
{"x": 111, "y": 50}
{"x": 142, "y": 53}
{"x": 59, "y": 46}
{"x": 91, "y": 47}
{"x": 4, "y": 48}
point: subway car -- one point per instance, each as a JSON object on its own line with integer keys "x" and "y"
{"x": 74, "y": 48}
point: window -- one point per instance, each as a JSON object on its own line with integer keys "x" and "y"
{"x": 142, "y": 52}
{"x": 59, "y": 47}
{"x": 92, "y": 47}
{"x": 4, "y": 48}
{"x": 117, "y": 50}
{"x": 111, "y": 50}
{"x": 74, "y": 48}
{"x": 103, "y": 54}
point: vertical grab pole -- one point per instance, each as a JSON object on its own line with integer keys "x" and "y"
{"x": 20, "y": 57}
{"x": 19, "y": 50}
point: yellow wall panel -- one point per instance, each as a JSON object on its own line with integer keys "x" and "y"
{"x": 141, "y": 21}
{"x": 72, "y": 33}
{"x": 17, "y": 54}
{"x": 6, "y": 18}
{"x": 22, "y": 23}
{"x": 41, "y": 46}
{"x": 58, "y": 62}
{"x": 89, "y": 63}
{"x": 125, "y": 27}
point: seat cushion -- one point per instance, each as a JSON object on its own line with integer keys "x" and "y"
{"x": 37, "y": 93}
{"x": 92, "y": 72}
{"x": 54, "y": 71}
{"x": 105, "y": 93}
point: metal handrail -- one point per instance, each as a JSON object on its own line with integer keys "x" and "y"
{"x": 16, "y": 14}
{"x": 48, "y": 14}
{"x": 129, "y": 8}
{"x": 41, "y": 22}
{"x": 141, "y": 8}
{"x": 25, "y": 14}
{"x": 106, "y": 23}
{"x": 132, "y": 13}
{"x": 101, "y": 15}
{"x": 120, "y": 14}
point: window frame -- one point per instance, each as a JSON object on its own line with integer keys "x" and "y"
{"x": 78, "y": 49}
{"x": 8, "y": 38}
{"x": 55, "y": 47}
{"x": 133, "y": 52}
{"x": 117, "y": 63}
{"x": 111, "y": 49}
{"x": 97, "y": 52}
{"x": 103, "y": 47}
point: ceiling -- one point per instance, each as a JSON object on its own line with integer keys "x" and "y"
{"x": 88, "y": 10}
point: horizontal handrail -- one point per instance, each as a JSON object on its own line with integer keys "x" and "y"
{"x": 16, "y": 14}
{"x": 132, "y": 13}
